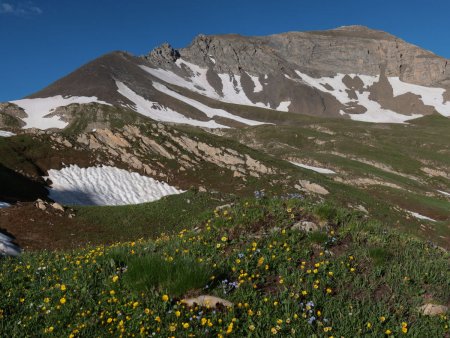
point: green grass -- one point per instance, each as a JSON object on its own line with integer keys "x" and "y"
{"x": 379, "y": 256}
{"x": 154, "y": 273}
{"x": 404, "y": 149}
{"x": 168, "y": 214}
{"x": 366, "y": 280}
{"x": 110, "y": 117}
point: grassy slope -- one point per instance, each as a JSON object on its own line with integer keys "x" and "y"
{"x": 353, "y": 278}
{"x": 148, "y": 220}
{"x": 399, "y": 148}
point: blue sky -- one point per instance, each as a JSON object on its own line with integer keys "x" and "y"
{"x": 41, "y": 41}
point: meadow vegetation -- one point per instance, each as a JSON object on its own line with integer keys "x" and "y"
{"x": 350, "y": 277}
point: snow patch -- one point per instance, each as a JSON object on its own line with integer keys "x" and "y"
{"x": 4, "y": 205}
{"x": 374, "y": 113}
{"x": 104, "y": 186}
{"x": 7, "y": 247}
{"x": 38, "y": 109}
{"x": 4, "y": 133}
{"x": 444, "y": 193}
{"x": 234, "y": 93}
{"x": 199, "y": 77}
{"x": 284, "y": 106}
{"x": 316, "y": 169}
{"x": 208, "y": 111}
{"x": 430, "y": 96}
{"x": 212, "y": 59}
{"x": 172, "y": 78}
{"x": 377, "y": 114}
{"x": 159, "y": 113}
{"x": 419, "y": 216}
{"x": 258, "y": 86}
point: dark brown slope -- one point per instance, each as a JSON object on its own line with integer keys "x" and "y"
{"x": 97, "y": 78}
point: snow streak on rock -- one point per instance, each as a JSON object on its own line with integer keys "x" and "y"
{"x": 419, "y": 216}
{"x": 316, "y": 169}
{"x": 258, "y": 86}
{"x": 160, "y": 113}
{"x": 232, "y": 91}
{"x": 444, "y": 193}
{"x": 104, "y": 186}
{"x": 208, "y": 111}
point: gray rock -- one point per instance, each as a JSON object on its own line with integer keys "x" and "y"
{"x": 40, "y": 204}
{"x": 58, "y": 206}
{"x": 433, "y": 309}
{"x": 163, "y": 54}
{"x": 305, "y": 226}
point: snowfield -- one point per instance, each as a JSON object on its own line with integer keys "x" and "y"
{"x": 4, "y": 133}
{"x": 104, "y": 186}
{"x": 232, "y": 91}
{"x": 208, "y": 111}
{"x": 316, "y": 169}
{"x": 38, "y": 109}
{"x": 159, "y": 113}
{"x": 375, "y": 113}
{"x": 430, "y": 96}
{"x": 4, "y": 205}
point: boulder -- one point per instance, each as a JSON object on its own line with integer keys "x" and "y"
{"x": 58, "y": 206}
{"x": 305, "y": 226}
{"x": 40, "y": 204}
{"x": 313, "y": 187}
{"x": 433, "y": 309}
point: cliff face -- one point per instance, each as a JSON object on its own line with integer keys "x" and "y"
{"x": 348, "y": 50}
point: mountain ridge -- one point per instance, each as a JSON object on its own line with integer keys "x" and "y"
{"x": 350, "y": 72}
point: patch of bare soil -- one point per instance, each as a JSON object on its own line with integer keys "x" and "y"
{"x": 35, "y": 229}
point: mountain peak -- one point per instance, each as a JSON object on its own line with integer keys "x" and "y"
{"x": 163, "y": 54}
{"x": 355, "y": 28}
{"x": 361, "y": 32}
